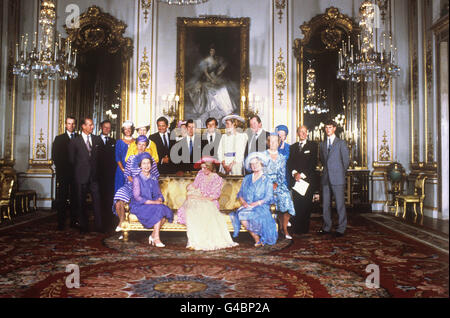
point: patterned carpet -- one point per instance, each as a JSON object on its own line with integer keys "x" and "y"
{"x": 33, "y": 260}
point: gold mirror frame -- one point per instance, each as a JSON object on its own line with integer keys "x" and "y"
{"x": 334, "y": 24}
{"x": 243, "y": 24}
{"x": 98, "y": 29}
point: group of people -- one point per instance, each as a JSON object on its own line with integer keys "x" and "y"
{"x": 127, "y": 171}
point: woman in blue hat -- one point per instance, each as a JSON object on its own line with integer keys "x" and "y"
{"x": 124, "y": 194}
{"x": 284, "y": 147}
{"x": 147, "y": 200}
{"x": 256, "y": 195}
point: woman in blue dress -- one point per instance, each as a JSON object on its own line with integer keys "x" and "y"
{"x": 121, "y": 152}
{"x": 256, "y": 195}
{"x": 284, "y": 147}
{"x": 132, "y": 169}
{"x": 276, "y": 171}
{"x": 147, "y": 199}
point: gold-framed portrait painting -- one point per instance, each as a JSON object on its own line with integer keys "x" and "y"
{"x": 212, "y": 67}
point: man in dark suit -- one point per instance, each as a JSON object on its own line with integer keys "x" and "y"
{"x": 163, "y": 146}
{"x": 187, "y": 151}
{"x": 257, "y": 136}
{"x": 84, "y": 155}
{"x": 211, "y": 138}
{"x": 106, "y": 173}
{"x": 65, "y": 187}
{"x": 335, "y": 160}
{"x": 302, "y": 164}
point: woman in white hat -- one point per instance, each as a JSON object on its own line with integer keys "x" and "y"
{"x": 142, "y": 130}
{"x": 231, "y": 149}
{"x": 256, "y": 196}
{"x": 121, "y": 152}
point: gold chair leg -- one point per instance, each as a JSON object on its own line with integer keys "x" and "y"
{"x": 8, "y": 211}
{"x": 421, "y": 208}
{"x": 396, "y": 207}
{"x": 125, "y": 236}
{"x": 404, "y": 209}
{"x": 415, "y": 212}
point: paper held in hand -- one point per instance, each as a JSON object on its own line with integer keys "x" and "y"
{"x": 301, "y": 187}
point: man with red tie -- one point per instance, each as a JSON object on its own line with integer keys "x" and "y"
{"x": 83, "y": 154}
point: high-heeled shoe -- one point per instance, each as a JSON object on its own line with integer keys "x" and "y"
{"x": 118, "y": 228}
{"x": 259, "y": 244}
{"x": 152, "y": 242}
{"x": 288, "y": 237}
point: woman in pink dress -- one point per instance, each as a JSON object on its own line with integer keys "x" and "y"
{"x": 205, "y": 225}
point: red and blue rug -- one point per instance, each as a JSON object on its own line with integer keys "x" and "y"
{"x": 34, "y": 257}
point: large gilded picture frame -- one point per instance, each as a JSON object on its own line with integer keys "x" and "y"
{"x": 212, "y": 67}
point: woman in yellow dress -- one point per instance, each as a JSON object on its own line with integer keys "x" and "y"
{"x": 151, "y": 149}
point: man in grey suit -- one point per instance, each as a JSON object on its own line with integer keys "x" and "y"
{"x": 335, "y": 160}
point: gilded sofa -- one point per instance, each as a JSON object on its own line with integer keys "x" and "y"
{"x": 174, "y": 191}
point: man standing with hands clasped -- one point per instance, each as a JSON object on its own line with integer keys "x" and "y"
{"x": 301, "y": 165}
{"x": 335, "y": 160}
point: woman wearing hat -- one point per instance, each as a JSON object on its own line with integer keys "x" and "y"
{"x": 232, "y": 146}
{"x": 276, "y": 171}
{"x": 205, "y": 226}
{"x": 147, "y": 199}
{"x": 284, "y": 147}
{"x": 124, "y": 194}
{"x": 256, "y": 195}
{"x": 151, "y": 149}
{"x": 121, "y": 152}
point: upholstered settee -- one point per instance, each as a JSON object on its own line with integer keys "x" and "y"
{"x": 174, "y": 190}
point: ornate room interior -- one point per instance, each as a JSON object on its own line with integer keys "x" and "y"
{"x": 378, "y": 68}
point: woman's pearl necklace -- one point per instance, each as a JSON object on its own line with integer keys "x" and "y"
{"x": 272, "y": 152}
{"x": 128, "y": 138}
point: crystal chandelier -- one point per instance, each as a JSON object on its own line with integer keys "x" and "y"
{"x": 315, "y": 101}
{"x": 364, "y": 63}
{"x": 47, "y": 59}
{"x": 183, "y": 2}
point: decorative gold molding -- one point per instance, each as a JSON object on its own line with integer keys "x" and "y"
{"x": 41, "y": 147}
{"x": 146, "y": 5}
{"x": 331, "y": 22}
{"x": 280, "y": 76}
{"x": 280, "y": 5}
{"x": 384, "y": 153}
{"x": 99, "y": 29}
{"x": 144, "y": 75}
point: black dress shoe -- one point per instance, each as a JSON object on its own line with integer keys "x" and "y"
{"x": 338, "y": 234}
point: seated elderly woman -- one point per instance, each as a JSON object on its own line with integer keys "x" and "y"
{"x": 206, "y": 228}
{"x": 147, "y": 199}
{"x": 256, "y": 195}
{"x": 124, "y": 194}
{"x": 276, "y": 171}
